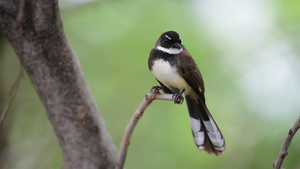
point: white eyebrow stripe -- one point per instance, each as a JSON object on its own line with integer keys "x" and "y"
{"x": 168, "y": 37}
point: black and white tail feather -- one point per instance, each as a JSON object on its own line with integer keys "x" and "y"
{"x": 206, "y": 133}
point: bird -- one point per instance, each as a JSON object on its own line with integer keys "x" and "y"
{"x": 177, "y": 73}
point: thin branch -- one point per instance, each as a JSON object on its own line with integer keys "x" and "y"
{"x": 12, "y": 94}
{"x": 14, "y": 89}
{"x": 284, "y": 149}
{"x": 153, "y": 95}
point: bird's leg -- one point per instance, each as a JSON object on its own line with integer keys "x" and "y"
{"x": 155, "y": 89}
{"x": 178, "y": 98}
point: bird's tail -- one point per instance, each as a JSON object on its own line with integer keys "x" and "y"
{"x": 207, "y": 135}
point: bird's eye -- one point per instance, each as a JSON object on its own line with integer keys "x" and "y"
{"x": 167, "y": 40}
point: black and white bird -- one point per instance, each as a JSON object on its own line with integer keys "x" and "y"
{"x": 176, "y": 71}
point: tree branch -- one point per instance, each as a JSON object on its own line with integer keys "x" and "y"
{"x": 55, "y": 72}
{"x": 284, "y": 149}
{"x": 153, "y": 95}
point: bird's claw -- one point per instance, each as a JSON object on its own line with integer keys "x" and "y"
{"x": 178, "y": 98}
{"x": 155, "y": 89}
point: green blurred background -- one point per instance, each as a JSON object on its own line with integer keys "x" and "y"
{"x": 248, "y": 52}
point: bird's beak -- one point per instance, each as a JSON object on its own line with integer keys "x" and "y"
{"x": 177, "y": 46}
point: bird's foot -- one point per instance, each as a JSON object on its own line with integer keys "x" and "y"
{"x": 178, "y": 98}
{"x": 155, "y": 89}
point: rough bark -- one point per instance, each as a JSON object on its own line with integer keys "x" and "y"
{"x": 55, "y": 72}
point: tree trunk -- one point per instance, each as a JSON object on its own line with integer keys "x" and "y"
{"x": 38, "y": 39}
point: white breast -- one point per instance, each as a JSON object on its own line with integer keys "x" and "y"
{"x": 168, "y": 75}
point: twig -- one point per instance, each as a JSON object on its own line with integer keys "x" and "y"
{"x": 153, "y": 95}
{"x": 284, "y": 149}
{"x": 12, "y": 94}
{"x": 16, "y": 84}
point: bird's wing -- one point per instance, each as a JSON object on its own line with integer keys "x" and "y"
{"x": 206, "y": 132}
{"x": 191, "y": 73}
